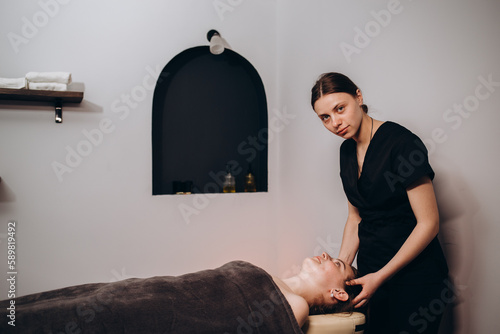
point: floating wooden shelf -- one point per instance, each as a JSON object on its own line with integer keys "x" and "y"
{"x": 57, "y": 97}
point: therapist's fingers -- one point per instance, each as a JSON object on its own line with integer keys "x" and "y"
{"x": 361, "y": 303}
{"x": 353, "y": 281}
{"x": 359, "y": 298}
{"x": 362, "y": 298}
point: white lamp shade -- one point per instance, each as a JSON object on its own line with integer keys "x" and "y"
{"x": 216, "y": 45}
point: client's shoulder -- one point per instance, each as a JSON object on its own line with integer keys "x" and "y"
{"x": 297, "y": 303}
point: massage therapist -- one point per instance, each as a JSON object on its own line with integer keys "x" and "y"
{"x": 393, "y": 219}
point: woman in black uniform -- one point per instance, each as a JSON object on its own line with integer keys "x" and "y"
{"x": 393, "y": 218}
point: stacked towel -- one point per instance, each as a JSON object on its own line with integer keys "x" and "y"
{"x": 47, "y": 86}
{"x": 59, "y": 77}
{"x": 15, "y": 83}
{"x": 48, "y": 80}
{"x": 39, "y": 80}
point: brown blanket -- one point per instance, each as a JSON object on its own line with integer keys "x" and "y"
{"x": 235, "y": 298}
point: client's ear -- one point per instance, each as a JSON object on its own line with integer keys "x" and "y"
{"x": 339, "y": 294}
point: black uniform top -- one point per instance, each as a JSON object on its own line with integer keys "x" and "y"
{"x": 394, "y": 160}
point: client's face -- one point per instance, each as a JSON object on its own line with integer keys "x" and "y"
{"x": 327, "y": 272}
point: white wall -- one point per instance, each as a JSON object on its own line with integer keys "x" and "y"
{"x": 412, "y": 69}
{"x": 101, "y": 223}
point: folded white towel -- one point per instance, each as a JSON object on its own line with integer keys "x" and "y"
{"x": 47, "y": 86}
{"x": 60, "y": 77}
{"x": 12, "y": 83}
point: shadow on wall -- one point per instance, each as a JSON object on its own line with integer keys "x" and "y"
{"x": 7, "y": 204}
{"x": 458, "y": 210}
{"x": 85, "y": 107}
{"x": 6, "y": 193}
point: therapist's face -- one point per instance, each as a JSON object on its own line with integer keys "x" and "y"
{"x": 341, "y": 113}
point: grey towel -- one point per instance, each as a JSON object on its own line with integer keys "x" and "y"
{"x": 235, "y": 298}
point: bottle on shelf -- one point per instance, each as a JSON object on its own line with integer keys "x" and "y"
{"x": 250, "y": 180}
{"x": 229, "y": 185}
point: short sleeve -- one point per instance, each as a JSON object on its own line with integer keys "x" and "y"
{"x": 411, "y": 160}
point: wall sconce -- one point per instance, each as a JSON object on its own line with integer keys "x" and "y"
{"x": 217, "y": 43}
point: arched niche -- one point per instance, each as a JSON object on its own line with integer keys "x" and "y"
{"x": 209, "y": 111}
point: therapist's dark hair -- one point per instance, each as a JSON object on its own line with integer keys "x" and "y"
{"x": 333, "y": 82}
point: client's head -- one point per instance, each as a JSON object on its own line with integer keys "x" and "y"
{"x": 328, "y": 276}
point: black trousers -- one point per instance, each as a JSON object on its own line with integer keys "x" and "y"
{"x": 408, "y": 309}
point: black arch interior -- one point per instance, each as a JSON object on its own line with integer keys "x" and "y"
{"x": 209, "y": 111}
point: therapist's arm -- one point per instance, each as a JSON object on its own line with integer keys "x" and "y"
{"x": 350, "y": 240}
{"x": 424, "y": 206}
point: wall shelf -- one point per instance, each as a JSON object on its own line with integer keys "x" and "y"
{"x": 56, "y": 97}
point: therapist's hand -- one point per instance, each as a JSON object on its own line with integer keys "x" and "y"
{"x": 370, "y": 284}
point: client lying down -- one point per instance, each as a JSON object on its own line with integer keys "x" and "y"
{"x": 235, "y": 298}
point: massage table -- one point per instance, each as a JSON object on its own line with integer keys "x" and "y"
{"x": 336, "y": 323}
